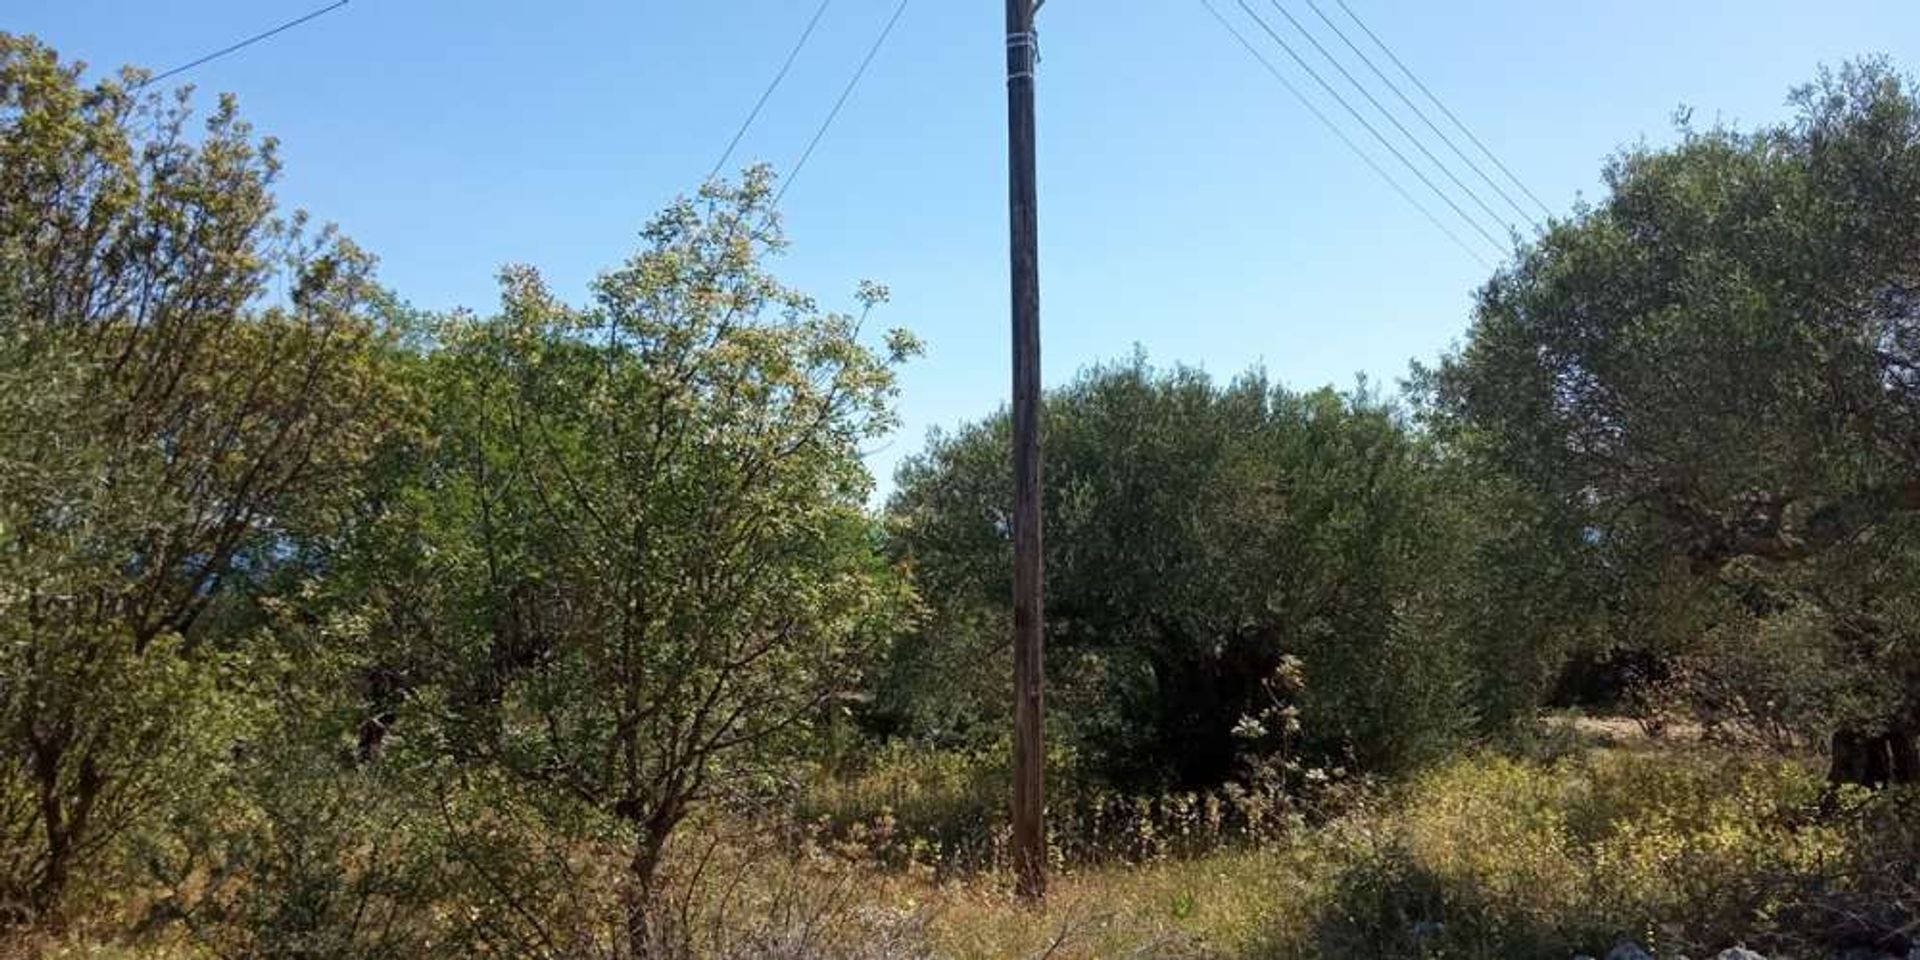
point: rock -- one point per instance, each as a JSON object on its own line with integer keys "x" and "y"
{"x": 1628, "y": 950}
{"x": 1738, "y": 953}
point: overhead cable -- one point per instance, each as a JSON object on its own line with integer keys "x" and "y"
{"x": 1457, "y": 122}
{"x": 833, "y": 114}
{"x": 772, "y": 85}
{"x": 1335, "y": 129}
{"x": 250, "y": 41}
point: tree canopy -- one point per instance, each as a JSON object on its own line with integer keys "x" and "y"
{"x": 1715, "y": 365}
{"x": 169, "y": 427}
{"x": 1199, "y": 535}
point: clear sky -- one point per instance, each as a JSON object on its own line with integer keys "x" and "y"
{"x": 1188, "y": 205}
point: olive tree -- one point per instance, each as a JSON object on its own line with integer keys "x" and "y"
{"x": 1717, "y": 369}
{"x": 1201, "y": 534}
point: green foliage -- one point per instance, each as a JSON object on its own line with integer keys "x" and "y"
{"x": 1197, "y": 535}
{"x": 632, "y": 568}
{"x": 310, "y": 860}
{"x": 1712, "y": 371}
{"x": 279, "y": 577}
{"x": 330, "y": 629}
{"x": 167, "y": 431}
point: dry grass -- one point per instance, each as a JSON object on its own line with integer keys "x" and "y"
{"x": 1685, "y": 847}
{"x": 1223, "y": 905}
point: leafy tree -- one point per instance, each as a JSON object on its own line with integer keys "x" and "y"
{"x": 162, "y": 428}
{"x": 1524, "y": 590}
{"x": 1714, "y": 370}
{"x": 1198, "y": 535}
{"x": 641, "y": 565}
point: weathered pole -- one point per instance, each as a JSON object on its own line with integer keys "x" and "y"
{"x": 1029, "y": 661}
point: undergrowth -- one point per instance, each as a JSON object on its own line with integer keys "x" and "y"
{"x": 1686, "y": 851}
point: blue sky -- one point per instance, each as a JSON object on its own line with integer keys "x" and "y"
{"x": 1188, "y": 204}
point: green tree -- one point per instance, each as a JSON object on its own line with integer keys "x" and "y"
{"x": 1198, "y": 535}
{"x": 1714, "y": 370}
{"x": 642, "y": 565}
{"x": 163, "y": 427}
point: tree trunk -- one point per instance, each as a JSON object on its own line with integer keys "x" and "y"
{"x": 51, "y": 885}
{"x": 644, "y": 941}
{"x": 1906, "y": 757}
{"x": 1873, "y": 760}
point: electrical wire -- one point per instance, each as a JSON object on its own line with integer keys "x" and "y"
{"x": 1422, "y": 114}
{"x": 852, "y": 83}
{"x": 1418, "y": 143}
{"x": 767, "y": 94}
{"x": 250, "y": 41}
{"x": 1443, "y": 107}
{"x": 1364, "y": 122}
{"x": 1334, "y": 128}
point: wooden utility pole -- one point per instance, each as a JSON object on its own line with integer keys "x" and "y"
{"x": 1029, "y": 661}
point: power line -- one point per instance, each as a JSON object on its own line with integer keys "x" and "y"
{"x": 1422, "y": 114}
{"x": 1342, "y": 134}
{"x": 1357, "y": 115}
{"x": 1377, "y": 105}
{"x": 767, "y": 94}
{"x": 250, "y": 41}
{"x": 1443, "y": 107}
{"x": 821, "y": 133}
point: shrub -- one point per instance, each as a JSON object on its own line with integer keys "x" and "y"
{"x": 948, "y": 810}
{"x": 1685, "y": 852}
{"x": 1200, "y": 534}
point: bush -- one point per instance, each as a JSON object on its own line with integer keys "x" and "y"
{"x": 948, "y": 810}
{"x": 1200, "y": 534}
{"x": 1779, "y": 680}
